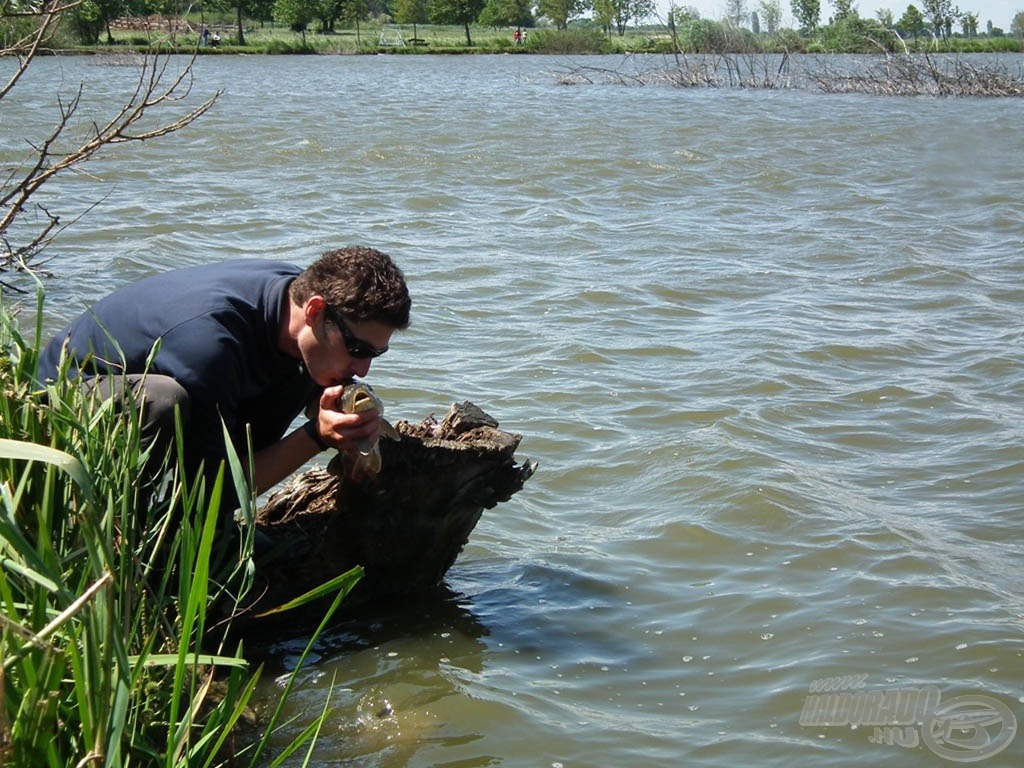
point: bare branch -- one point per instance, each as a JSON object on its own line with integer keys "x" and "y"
{"x": 922, "y": 75}
{"x": 27, "y": 47}
{"x": 155, "y": 90}
{"x": 889, "y": 75}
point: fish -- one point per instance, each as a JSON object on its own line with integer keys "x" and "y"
{"x": 358, "y": 397}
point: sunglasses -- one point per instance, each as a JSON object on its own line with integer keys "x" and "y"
{"x": 356, "y": 347}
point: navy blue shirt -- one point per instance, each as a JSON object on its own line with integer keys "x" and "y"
{"x": 218, "y": 327}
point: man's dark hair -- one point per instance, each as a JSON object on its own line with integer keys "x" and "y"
{"x": 359, "y": 283}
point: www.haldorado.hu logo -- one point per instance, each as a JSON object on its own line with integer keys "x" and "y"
{"x": 963, "y": 729}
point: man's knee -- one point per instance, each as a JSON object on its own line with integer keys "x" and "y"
{"x": 154, "y": 395}
{"x": 159, "y": 397}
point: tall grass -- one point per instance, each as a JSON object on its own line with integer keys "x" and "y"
{"x": 116, "y": 596}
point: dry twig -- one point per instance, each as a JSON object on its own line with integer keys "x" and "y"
{"x": 155, "y": 89}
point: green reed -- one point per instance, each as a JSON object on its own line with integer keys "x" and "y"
{"x": 116, "y": 594}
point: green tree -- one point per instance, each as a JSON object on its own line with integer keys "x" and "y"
{"x": 969, "y": 24}
{"x": 689, "y": 31}
{"x": 626, "y": 11}
{"x": 242, "y": 9}
{"x": 911, "y": 22}
{"x": 604, "y": 15}
{"x": 411, "y": 12}
{"x": 622, "y": 12}
{"x": 844, "y": 9}
{"x": 327, "y": 12}
{"x": 355, "y": 11}
{"x": 940, "y": 14}
{"x": 142, "y": 7}
{"x": 885, "y": 18}
{"x": 297, "y": 15}
{"x": 561, "y": 12}
{"x": 807, "y": 14}
{"x": 507, "y": 13}
{"x": 735, "y": 11}
{"x": 1017, "y": 25}
{"x": 771, "y": 15}
{"x": 463, "y": 12}
{"x": 87, "y": 22}
{"x": 260, "y": 10}
{"x": 681, "y": 15}
{"x": 91, "y": 17}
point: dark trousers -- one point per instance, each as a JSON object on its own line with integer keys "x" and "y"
{"x": 156, "y": 397}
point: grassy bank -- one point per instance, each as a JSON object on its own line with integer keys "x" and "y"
{"x": 582, "y": 37}
{"x": 369, "y": 38}
{"x": 117, "y": 595}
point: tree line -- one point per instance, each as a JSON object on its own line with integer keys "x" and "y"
{"x": 937, "y": 18}
{"x": 91, "y": 20}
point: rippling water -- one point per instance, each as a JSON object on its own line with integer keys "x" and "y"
{"x": 767, "y": 347}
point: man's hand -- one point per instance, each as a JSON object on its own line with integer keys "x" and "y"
{"x": 345, "y": 431}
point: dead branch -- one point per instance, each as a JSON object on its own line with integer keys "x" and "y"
{"x": 922, "y": 75}
{"x": 26, "y": 48}
{"x": 155, "y": 90}
{"x": 888, "y": 75}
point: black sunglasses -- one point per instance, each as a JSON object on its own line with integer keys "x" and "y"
{"x": 356, "y": 347}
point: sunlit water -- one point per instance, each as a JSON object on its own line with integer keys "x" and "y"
{"x": 766, "y": 346}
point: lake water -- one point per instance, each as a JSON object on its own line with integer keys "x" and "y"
{"x": 767, "y": 346}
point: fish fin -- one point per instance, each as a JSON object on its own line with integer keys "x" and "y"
{"x": 388, "y": 431}
{"x": 373, "y": 462}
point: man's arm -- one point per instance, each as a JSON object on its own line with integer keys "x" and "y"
{"x": 275, "y": 462}
{"x": 342, "y": 431}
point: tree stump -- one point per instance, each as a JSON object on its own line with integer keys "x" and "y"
{"x": 405, "y": 527}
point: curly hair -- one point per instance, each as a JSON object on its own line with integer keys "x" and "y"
{"x": 359, "y": 283}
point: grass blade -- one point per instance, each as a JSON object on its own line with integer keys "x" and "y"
{"x": 342, "y": 583}
{"x": 16, "y": 449}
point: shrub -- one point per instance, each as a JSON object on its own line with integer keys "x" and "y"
{"x": 706, "y": 36}
{"x": 567, "y": 41}
{"x": 279, "y": 46}
{"x": 784, "y": 41}
{"x": 14, "y": 28}
{"x": 855, "y": 35}
{"x": 87, "y": 22}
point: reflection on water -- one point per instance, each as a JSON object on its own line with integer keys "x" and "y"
{"x": 767, "y": 347}
{"x": 378, "y": 708}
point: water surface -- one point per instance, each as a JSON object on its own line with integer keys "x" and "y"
{"x": 766, "y": 345}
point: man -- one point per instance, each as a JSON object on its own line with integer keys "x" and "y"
{"x": 249, "y": 342}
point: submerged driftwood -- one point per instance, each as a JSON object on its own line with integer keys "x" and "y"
{"x": 892, "y": 74}
{"x": 405, "y": 527}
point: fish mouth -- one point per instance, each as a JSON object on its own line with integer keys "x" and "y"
{"x": 361, "y": 398}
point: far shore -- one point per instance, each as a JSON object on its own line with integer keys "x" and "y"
{"x": 580, "y": 37}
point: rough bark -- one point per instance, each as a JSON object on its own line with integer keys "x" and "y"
{"x": 406, "y": 526}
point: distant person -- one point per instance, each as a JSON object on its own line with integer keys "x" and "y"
{"x": 517, "y": 36}
{"x": 249, "y": 342}
{"x": 205, "y": 37}
{"x": 215, "y": 40}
